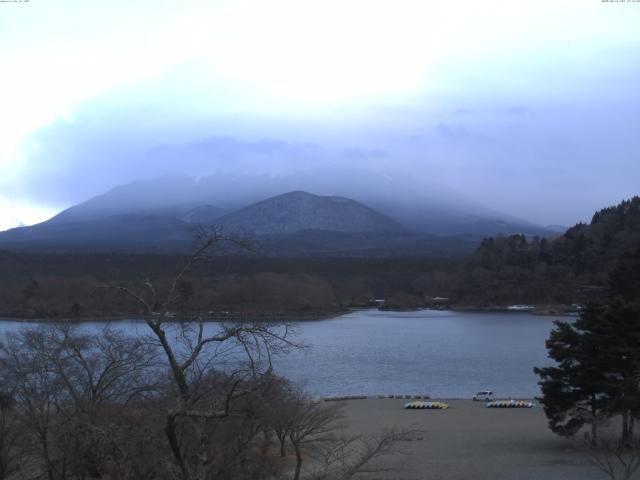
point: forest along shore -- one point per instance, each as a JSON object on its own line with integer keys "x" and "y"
{"x": 552, "y": 274}
{"x": 39, "y": 317}
{"x": 170, "y": 316}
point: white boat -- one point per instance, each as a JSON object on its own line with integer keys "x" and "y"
{"x": 520, "y": 308}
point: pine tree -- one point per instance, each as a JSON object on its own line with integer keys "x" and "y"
{"x": 575, "y": 391}
{"x": 624, "y": 281}
{"x": 619, "y": 333}
{"x": 597, "y": 375}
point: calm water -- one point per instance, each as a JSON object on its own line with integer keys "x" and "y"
{"x": 442, "y": 353}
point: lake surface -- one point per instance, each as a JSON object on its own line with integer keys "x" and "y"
{"x": 441, "y": 353}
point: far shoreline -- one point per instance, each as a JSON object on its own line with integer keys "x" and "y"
{"x": 231, "y": 317}
{"x": 267, "y": 317}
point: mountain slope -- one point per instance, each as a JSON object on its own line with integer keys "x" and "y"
{"x": 298, "y": 211}
{"x": 164, "y": 196}
{"x": 423, "y": 207}
{"x": 293, "y": 224}
{"x": 117, "y": 232}
{"x": 204, "y": 214}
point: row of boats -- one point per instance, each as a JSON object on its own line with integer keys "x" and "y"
{"x": 420, "y": 405}
{"x": 510, "y": 404}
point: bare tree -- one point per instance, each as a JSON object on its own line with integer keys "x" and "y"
{"x": 104, "y": 368}
{"x": 9, "y": 435}
{"x": 317, "y": 432}
{"x": 348, "y": 456}
{"x": 616, "y": 458}
{"x": 280, "y": 401}
{"x": 37, "y": 392}
{"x": 68, "y": 389}
{"x": 312, "y": 423}
{"x": 193, "y": 352}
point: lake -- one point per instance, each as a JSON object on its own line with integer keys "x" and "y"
{"x": 442, "y": 353}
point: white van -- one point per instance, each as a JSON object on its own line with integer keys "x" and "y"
{"x": 486, "y": 395}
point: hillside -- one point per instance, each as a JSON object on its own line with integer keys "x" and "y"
{"x": 418, "y": 206}
{"x": 574, "y": 265}
{"x": 293, "y": 224}
{"x": 299, "y": 211}
{"x": 119, "y": 232}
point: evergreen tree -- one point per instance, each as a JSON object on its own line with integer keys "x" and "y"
{"x": 597, "y": 375}
{"x": 575, "y": 390}
{"x": 624, "y": 281}
{"x": 623, "y": 322}
{"x": 619, "y": 333}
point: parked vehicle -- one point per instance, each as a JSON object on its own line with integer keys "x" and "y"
{"x": 484, "y": 395}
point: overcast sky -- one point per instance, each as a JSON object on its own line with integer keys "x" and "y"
{"x": 529, "y": 107}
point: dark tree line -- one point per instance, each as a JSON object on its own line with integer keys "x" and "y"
{"x": 563, "y": 270}
{"x": 54, "y": 286}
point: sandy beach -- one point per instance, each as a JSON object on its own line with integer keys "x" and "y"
{"x": 470, "y": 441}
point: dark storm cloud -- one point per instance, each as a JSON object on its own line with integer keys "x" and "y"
{"x": 73, "y": 162}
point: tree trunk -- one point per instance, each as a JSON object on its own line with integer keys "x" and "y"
{"x": 172, "y": 437}
{"x": 267, "y": 441}
{"x": 4, "y": 453}
{"x": 594, "y": 422}
{"x": 296, "y": 476}
{"x": 625, "y": 428}
{"x": 203, "y": 454}
{"x": 47, "y": 458}
{"x": 178, "y": 373}
{"x": 282, "y": 451}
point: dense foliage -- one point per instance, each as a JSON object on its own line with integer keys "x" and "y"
{"x": 570, "y": 268}
{"x": 68, "y": 286}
